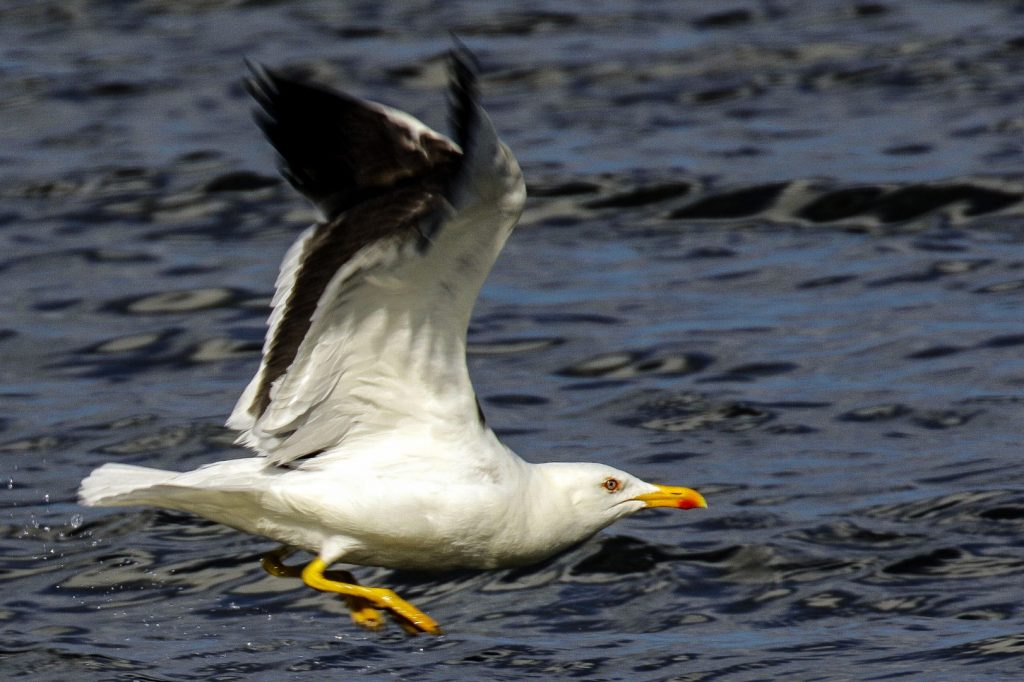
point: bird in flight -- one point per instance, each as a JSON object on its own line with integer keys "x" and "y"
{"x": 370, "y": 444}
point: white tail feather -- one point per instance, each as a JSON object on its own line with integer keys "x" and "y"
{"x": 114, "y": 485}
{"x": 227, "y": 492}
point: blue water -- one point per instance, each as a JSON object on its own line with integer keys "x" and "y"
{"x": 772, "y": 251}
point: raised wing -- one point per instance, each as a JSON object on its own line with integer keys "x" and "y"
{"x": 368, "y": 328}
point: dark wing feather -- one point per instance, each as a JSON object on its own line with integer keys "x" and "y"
{"x": 338, "y": 150}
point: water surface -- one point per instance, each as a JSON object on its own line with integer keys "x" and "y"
{"x": 772, "y": 251}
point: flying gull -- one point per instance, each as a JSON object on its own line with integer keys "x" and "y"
{"x": 371, "y": 448}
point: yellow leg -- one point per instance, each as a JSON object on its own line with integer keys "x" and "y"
{"x": 362, "y": 611}
{"x": 313, "y": 575}
{"x": 273, "y": 563}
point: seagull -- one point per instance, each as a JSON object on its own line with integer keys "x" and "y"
{"x": 370, "y": 445}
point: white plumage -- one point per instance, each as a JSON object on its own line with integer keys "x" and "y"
{"x": 371, "y": 448}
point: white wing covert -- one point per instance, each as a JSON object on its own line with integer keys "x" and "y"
{"x": 368, "y": 329}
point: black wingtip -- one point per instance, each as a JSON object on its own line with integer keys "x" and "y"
{"x": 257, "y": 74}
{"x": 254, "y": 67}
{"x": 463, "y": 68}
{"x": 461, "y": 51}
{"x": 261, "y": 84}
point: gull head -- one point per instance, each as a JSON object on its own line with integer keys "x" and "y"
{"x": 596, "y": 495}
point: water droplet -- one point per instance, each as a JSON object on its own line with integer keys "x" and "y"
{"x": 46, "y": 498}
{"x": 76, "y": 521}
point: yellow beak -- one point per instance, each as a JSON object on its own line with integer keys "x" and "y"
{"x": 673, "y": 496}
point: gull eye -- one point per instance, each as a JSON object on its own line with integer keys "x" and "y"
{"x": 612, "y": 485}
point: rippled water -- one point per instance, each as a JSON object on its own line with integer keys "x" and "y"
{"x": 772, "y": 251}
